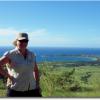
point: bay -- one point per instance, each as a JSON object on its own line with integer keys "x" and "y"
{"x": 55, "y": 54}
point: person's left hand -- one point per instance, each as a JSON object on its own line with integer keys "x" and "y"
{"x": 37, "y": 86}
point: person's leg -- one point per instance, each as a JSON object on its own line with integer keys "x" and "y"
{"x": 30, "y": 93}
{"x": 10, "y": 93}
{"x": 38, "y": 93}
{"x": 13, "y": 93}
{"x": 34, "y": 93}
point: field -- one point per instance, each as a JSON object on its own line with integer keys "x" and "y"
{"x": 62, "y": 80}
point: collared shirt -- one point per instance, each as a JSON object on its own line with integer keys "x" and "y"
{"x": 21, "y": 69}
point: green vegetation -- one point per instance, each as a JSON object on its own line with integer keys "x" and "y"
{"x": 62, "y": 80}
{"x": 69, "y": 81}
{"x": 2, "y": 89}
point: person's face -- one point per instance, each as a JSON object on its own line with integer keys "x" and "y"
{"x": 22, "y": 44}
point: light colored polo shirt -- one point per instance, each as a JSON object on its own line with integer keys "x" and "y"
{"x": 22, "y": 70}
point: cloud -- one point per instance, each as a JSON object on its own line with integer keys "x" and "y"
{"x": 39, "y": 32}
{"x": 43, "y": 37}
{"x": 8, "y": 31}
{"x": 64, "y": 40}
{"x": 7, "y": 35}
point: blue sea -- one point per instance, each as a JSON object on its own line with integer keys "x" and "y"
{"x": 55, "y": 54}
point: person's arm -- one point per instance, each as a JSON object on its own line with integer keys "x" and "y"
{"x": 36, "y": 75}
{"x": 3, "y": 61}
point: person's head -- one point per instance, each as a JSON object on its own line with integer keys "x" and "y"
{"x": 21, "y": 40}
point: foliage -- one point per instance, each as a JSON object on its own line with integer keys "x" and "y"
{"x": 61, "y": 81}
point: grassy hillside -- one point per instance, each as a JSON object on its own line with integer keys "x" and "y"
{"x": 69, "y": 81}
{"x": 58, "y": 80}
{"x": 2, "y": 89}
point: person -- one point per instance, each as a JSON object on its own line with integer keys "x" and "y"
{"x": 22, "y": 70}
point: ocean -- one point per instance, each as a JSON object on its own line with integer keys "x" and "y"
{"x": 55, "y": 54}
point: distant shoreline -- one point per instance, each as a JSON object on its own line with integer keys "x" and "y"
{"x": 55, "y": 54}
{"x": 55, "y": 47}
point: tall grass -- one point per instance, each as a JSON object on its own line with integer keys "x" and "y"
{"x": 62, "y": 81}
{"x": 2, "y": 89}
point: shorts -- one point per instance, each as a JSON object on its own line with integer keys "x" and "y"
{"x": 29, "y": 93}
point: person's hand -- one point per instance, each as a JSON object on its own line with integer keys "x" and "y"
{"x": 11, "y": 79}
{"x": 38, "y": 90}
{"x": 37, "y": 86}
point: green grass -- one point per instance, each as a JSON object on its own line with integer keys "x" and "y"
{"x": 2, "y": 89}
{"x": 83, "y": 82}
{"x": 56, "y": 80}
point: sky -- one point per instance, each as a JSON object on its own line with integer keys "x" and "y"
{"x": 51, "y": 23}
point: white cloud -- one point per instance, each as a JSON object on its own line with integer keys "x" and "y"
{"x": 8, "y": 31}
{"x": 43, "y": 37}
{"x": 7, "y": 35}
{"x": 39, "y": 32}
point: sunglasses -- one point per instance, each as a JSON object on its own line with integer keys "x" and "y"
{"x": 25, "y": 41}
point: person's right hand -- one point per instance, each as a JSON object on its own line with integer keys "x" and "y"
{"x": 10, "y": 80}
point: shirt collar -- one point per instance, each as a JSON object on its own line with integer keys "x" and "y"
{"x": 19, "y": 51}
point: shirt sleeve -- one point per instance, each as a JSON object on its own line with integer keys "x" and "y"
{"x": 34, "y": 57}
{"x": 6, "y": 54}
